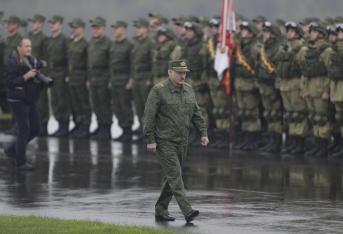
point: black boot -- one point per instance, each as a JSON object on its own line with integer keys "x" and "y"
{"x": 322, "y": 152}
{"x": 127, "y": 135}
{"x": 269, "y": 143}
{"x": 82, "y": 132}
{"x": 62, "y": 131}
{"x": 138, "y": 131}
{"x": 93, "y": 133}
{"x": 336, "y": 144}
{"x": 299, "y": 145}
{"x": 43, "y": 129}
{"x": 243, "y": 140}
{"x": 290, "y": 144}
{"x": 310, "y": 151}
{"x": 276, "y": 144}
{"x": 104, "y": 133}
{"x": 338, "y": 154}
{"x": 253, "y": 141}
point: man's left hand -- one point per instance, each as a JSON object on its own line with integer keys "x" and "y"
{"x": 204, "y": 141}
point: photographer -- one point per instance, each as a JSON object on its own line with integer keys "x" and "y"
{"x": 24, "y": 84}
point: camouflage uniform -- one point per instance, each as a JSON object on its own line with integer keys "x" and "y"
{"x": 168, "y": 115}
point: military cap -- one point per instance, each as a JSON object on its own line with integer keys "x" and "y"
{"x": 98, "y": 22}
{"x": 23, "y": 23}
{"x": 77, "y": 23}
{"x": 37, "y": 17}
{"x": 179, "y": 21}
{"x": 56, "y": 18}
{"x": 318, "y": 28}
{"x": 331, "y": 30}
{"x": 194, "y": 27}
{"x": 280, "y": 22}
{"x": 178, "y": 65}
{"x": 293, "y": 25}
{"x": 269, "y": 27}
{"x": 308, "y": 20}
{"x": 141, "y": 23}
{"x": 214, "y": 22}
{"x": 259, "y": 18}
{"x": 119, "y": 24}
{"x": 329, "y": 21}
{"x": 249, "y": 26}
{"x": 165, "y": 31}
{"x": 13, "y": 19}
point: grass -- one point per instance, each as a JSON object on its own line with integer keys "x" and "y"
{"x": 40, "y": 225}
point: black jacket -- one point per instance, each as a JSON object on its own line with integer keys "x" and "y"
{"x": 18, "y": 88}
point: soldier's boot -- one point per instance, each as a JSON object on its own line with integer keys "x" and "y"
{"x": 215, "y": 139}
{"x": 336, "y": 144}
{"x": 322, "y": 152}
{"x": 82, "y": 132}
{"x": 138, "y": 131}
{"x": 338, "y": 154}
{"x": 75, "y": 129}
{"x": 43, "y": 129}
{"x": 96, "y": 131}
{"x": 310, "y": 151}
{"x": 269, "y": 140}
{"x": 62, "y": 131}
{"x": 253, "y": 141}
{"x": 103, "y": 134}
{"x": 290, "y": 144}
{"x": 243, "y": 141}
{"x": 127, "y": 135}
{"x": 299, "y": 145}
{"x": 119, "y": 138}
{"x": 224, "y": 142}
{"x": 276, "y": 144}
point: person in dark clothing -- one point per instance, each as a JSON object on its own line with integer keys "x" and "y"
{"x": 23, "y": 87}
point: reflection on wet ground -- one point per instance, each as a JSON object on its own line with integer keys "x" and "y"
{"x": 115, "y": 183}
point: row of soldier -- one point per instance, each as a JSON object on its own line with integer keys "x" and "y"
{"x": 286, "y": 78}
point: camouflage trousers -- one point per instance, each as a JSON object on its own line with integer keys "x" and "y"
{"x": 295, "y": 110}
{"x": 171, "y": 156}
{"x": 220, "y": 101}
{"x": 272, "y": 105}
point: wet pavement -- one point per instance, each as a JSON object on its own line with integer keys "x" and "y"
{"x": 115, "y": 183}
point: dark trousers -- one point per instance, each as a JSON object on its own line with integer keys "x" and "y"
{"x": 28, "y": 123}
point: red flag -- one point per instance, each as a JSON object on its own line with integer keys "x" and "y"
{"x": 226, "y": 44}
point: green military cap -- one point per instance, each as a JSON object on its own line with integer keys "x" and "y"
{"x": 164, "y": 20}
{"x": 119, "y": 24}
{"x": 178, "y": 65}
{"x": 194, "y": 27}
{"x": 329, "y": 21}
{"x": 259, "y": 18}
{"x": 77, "y": 23}
{"x": 56, "y": 18}
{"x": 280, "y": 22}
{"x": 193, "y": 19}
{"x": 13, "y": 19}
{"x": 166, "y": 31}
{"x": 141, "y": 23}
{"x": 314, "y": 26}
{"x": 23, "y": 23}
{"x": 269, "y": 27}
{"x": 98, "y": 22}
{"x": 179, "y": 21}
{"x": 38, "y": 18}
{"x": 249, "y": 26}
{"x": 161, "y": 19}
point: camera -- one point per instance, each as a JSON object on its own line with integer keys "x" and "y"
{"x": 37, "y": 64}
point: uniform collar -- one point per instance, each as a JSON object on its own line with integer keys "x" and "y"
{"x": 173, "y": 88}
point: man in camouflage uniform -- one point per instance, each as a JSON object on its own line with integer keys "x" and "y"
{"x": 11, "y": 42}
{"x": 314, "y": 61}
{"x": 98, "y": 76}
{"x": 165, "y": 50}
{"x": 289, "y": 72}
{"x": 336, "y": 87}
{"x": 219, "y": 98}
{"x": 77, "y": 74}
{"x": 170, "y": 109}
{"x": 179, "y": 31}
{"x": 193, "y": 54}
{"x": 121, "y": 82}
{"x": 259, "y": 22}
{"x": 141, "y": 69}
{"x": 332, "y": 34}
{"x": 57, "y": 69}
{"x": 248, "y": 99}
{"x": 39, "y": 43}
{"x": 267, "y": 81}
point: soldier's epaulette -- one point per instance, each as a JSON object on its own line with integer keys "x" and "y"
{"x": 159, "y": 85}
{"x": 185, "y": 83}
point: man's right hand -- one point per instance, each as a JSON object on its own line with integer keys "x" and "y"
{"x": 152, "y": 147}
{"x": 30, "y": 74}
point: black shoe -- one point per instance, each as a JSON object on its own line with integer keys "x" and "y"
{"x": 164, "y": 218}
{"x": 26, "y": 167}
{"x": 194, "y": 213}
{"x": 63, "y": 130}
{"x": 43, "y": 130}
{"x": 11, "y": 156}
